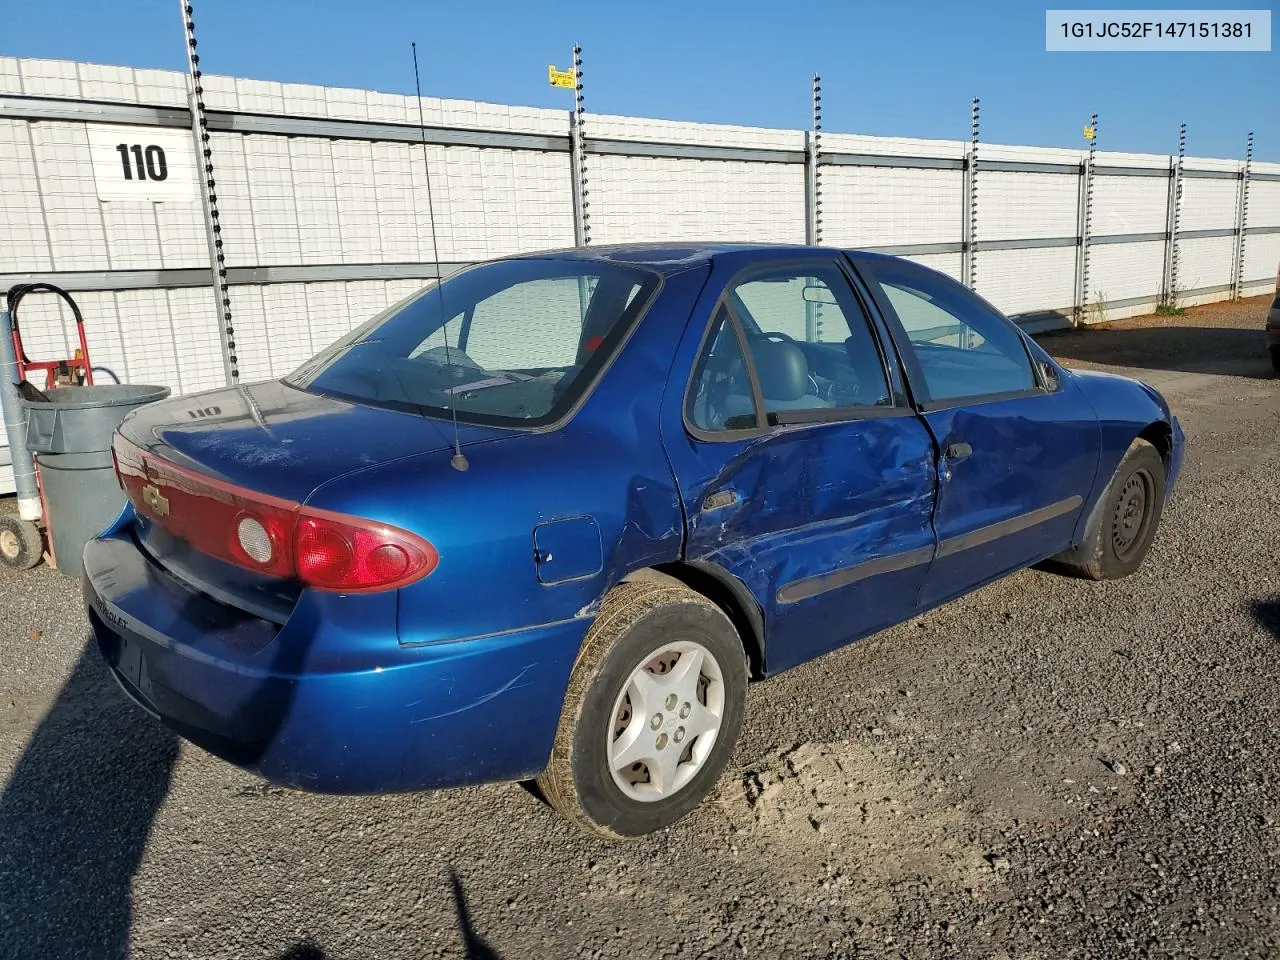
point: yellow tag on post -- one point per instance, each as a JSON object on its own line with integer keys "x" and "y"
{"x": 560, "y": 78}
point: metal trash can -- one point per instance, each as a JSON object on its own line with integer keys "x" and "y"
{"x": 70, "y": 436}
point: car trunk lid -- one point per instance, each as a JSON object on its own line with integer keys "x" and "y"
{"x": 269, "y": 440}
{"x": 284, "y": 442}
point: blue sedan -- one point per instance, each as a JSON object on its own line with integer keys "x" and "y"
{"x": 548, "y": 518}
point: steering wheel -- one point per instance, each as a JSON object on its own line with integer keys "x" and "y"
{"x": 453, "y": 360}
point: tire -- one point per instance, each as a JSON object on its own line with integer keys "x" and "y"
{"x": 645, "y": 630}
{"x": 21, "y": 545}
{"x": 1123, "y": 524}
{"x": 1275, "y": 359}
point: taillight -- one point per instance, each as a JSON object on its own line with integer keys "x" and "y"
{"x": 276, "y": 537}
{"x": 337, "y": 552}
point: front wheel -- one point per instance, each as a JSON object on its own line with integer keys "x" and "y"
{"x": 1123, "y": 524}
{"x": 652, "y": 713}
{"x": 1275, "y": 359}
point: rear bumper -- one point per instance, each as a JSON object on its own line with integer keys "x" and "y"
{"x": 319, "y": 706}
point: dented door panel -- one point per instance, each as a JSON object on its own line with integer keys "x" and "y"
{"x": 830, "y": 527}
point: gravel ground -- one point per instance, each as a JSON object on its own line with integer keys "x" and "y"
{"x": 1048, "y": 768}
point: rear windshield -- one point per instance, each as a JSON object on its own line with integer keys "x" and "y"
{"x": 524, "y": 339}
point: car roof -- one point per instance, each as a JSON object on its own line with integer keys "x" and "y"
{"x": 671, "y": 258}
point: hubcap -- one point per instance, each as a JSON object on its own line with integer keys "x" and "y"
{"x": 9, "y": 545}
{"x": 1129, "y": 522}
{"x": 666, "y": 721}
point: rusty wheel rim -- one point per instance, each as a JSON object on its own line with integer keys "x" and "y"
{"x": 1131, "y": 518}
{"x": 9, "y": 545}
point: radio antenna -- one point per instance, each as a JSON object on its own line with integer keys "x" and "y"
{"x": 457, "y": 461}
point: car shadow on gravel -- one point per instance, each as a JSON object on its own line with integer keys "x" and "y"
{"x": 75, "y": 816}
{"x": 1267, "y": 613}
{"x": 473, "y": 945}
{"x": 476, "y": 948}
{"x": 1228, "y": 351}
{"x": 303, "y": 951}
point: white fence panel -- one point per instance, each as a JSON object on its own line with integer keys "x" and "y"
{"x": 1208, "y": 204}
{"x": 24, "y": 242}
{"x": 1129, "y": 205}
{"x": 1264, "y": 203}
{"x": 1125, "y": 271}
{"x": 660, "y": 198}
{"x": 72, "y": 212}
{"x": 1023, "y": 206}
{"x": 1028, "y": 281}
{"x": 883, "y": 206}
{"x": 1261, "y": 262}
{"x": 1204, "y": 262}
{"x": 639, "y": 198}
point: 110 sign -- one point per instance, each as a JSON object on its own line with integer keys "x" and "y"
{"x": 138, "y": 164}
{"x": 149, "y": 161}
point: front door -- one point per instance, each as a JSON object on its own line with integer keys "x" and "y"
{"x": 803, "y": 470}
{"x": 1017, "y": 453}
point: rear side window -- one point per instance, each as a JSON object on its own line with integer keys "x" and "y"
{"x": 722, "y": 396}
{"x": 810, "y": 341}
{"x": 513, "y": 342}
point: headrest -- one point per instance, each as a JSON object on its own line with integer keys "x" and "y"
{"x": 782, "y": 369}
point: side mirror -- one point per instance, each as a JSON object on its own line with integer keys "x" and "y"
{"x": 1050, "y": 374}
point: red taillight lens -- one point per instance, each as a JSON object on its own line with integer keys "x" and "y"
{"x": 323, "y": 553}
{"x": 276, "y": 537}
{"x": 335, "y": 553}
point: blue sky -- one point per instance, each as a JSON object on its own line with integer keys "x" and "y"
{"x": 905, "y": 69}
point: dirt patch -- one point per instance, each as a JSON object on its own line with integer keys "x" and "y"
{"x": 879, "y": 824}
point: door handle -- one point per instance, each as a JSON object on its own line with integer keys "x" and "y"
{"x": 720, "y": 500}
{"x": 957, "y": 451}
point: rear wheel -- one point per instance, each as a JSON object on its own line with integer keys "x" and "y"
{"x": 1275, "y": 359}
{"x": 653, "y": 710}
{"x": 21, "y": 545}
{"x": 1123, "y": 524}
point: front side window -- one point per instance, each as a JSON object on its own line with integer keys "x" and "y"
{"x": 963, "y": 349}
{"x": 512, "y": 342}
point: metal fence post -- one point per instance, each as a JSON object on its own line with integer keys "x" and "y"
{"x": 209, "y": 199}
{"x": 1242, "y": 220}
{"x": 813, "y": 203}
{"x": 813, "y": 182}
{"x": 1077, "y": 287}
{"x": 1086, "y": 231}
{"x": 1167, "y": 261}
{"x": 578, "y": 156}
{"x": 969, "y": 225}
{"x": 1171, "y": 289}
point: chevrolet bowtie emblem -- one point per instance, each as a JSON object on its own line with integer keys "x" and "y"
{"x": 156, "y": 500}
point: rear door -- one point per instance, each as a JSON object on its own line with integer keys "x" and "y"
{"x": 1017, "y": 452}
{"x": 803, "y": 470}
